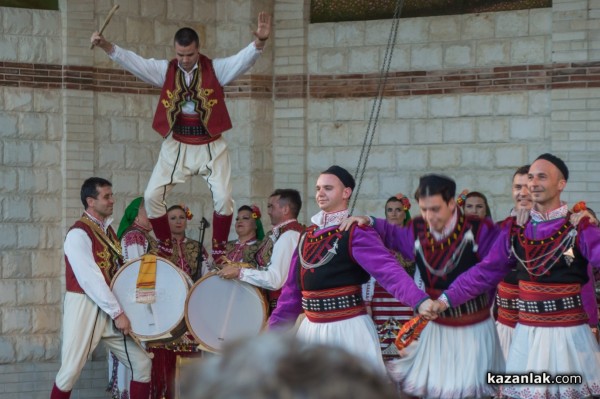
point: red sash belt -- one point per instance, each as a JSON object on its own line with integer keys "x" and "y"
{"x": 507, "y": 299}
{"x": 188, "y": 129}
{"x": 550, "y": 305}
{"x": 333, "y": 304}
{"x": 471, "y": 312}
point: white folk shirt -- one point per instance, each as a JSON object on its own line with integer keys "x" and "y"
{"x": 278, "y": 268}
{"x": 78, "y": 249}
{"x": 154, "y": 71}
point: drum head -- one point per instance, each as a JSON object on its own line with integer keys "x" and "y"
{"x": 161, "y": 318}
{"x": 220, "y": 311}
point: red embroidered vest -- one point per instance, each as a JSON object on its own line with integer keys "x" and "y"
{"x": 204, "y": 90}
{"x": 105, "y": 256}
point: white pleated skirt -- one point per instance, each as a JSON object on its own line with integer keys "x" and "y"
{"x": 450, "y": 362}
{"x": 357, "y": 335}
{"x": 505, "y": 334}
{"x": 556, "y": 351}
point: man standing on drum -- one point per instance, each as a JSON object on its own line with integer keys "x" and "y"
{"x": 91, "y": 311}
{"x": 191, "y": 115}
{"x": 276, "y": 249}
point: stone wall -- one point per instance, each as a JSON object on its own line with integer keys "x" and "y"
{"x": 473, "y": 96}
{"x": 468, "y": 96}
{"x": 31, "y": 190}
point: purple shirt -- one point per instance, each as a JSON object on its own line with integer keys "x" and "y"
{"x": 402, "y": 239}
{"x": 368, "y": 250}
{"x": 491, "y": 270}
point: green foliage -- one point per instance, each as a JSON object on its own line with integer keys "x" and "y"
{"x": 361, "y": 10}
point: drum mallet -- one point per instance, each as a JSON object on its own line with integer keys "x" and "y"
{"x": 107, "y": 20}
{"x": 137, "y": 341}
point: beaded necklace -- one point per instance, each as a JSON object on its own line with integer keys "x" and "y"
{"x": 548, "y": 259}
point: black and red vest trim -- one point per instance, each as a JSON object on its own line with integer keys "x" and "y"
{"x": 437, "y": 254}
{"x": 207, "y": 94}
{"x": 548, "y": 260}
{"x": 105, "y": 256}
{"x": 327, "y": 269}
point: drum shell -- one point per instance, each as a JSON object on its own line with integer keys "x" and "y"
{"x": 219, "y": 311}
{"x": 164, "y": 320}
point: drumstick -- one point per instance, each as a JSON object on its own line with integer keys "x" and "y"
{"x": 137, "y": 341}
{"x": 107, "y": 20}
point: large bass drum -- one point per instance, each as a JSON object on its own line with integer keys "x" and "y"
{"x": 163, "y": 320}
{"x": 220, "y": 311}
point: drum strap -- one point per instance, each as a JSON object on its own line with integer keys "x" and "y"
{"x": 145, "y": 287}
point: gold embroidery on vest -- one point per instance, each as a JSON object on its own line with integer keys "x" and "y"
{"x": 204, "y": 106}
{"x": 176, "y": 98}
{"x": 109, "y": 262}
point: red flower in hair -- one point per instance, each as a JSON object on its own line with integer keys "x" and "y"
{"x": 255, "y": 212}
{"x": 462, "y": 197}
{"x": 188, "y": 214}
{"x": 404, "y": 200}
{"x": 579, "y": 207}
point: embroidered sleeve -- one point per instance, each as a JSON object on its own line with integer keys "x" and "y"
{"x": 134, "y": 244}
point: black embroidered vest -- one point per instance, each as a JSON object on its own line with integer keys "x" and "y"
{"x": 326, "y": 260}
{"x": 441, "y": 262}
{"x": 553, "y": 259}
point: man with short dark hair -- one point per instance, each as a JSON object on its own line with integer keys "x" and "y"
{"x": 507, "y": 293}
{"x": 328, "y": 270}
{"x": 276, "y": 249}
{"x": 91, "y": 312}
{"x": 191, "y": 115}
{"x": 551, "y": 258}
{"x": 444, "y": 243}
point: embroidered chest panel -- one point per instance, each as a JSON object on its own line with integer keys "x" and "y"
{"x": 186, "y": 256}
{"x": 241, "y": 252}
{"x": 441, "y": 262}
{"x": 325, "y": 260}
{"x": 318, "y": 248}
{"x": 555, "y": 258}
{"x": 105, "y": 246}
{"x": 265, "y": 250}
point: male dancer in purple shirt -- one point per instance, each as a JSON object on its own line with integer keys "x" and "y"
{"x": 551, "y": 257}
{"x": 327, "y": 271}
{"x": 447, "y": 360}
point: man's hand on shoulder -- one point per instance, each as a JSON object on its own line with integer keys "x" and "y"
{"x": 360, "y": 220}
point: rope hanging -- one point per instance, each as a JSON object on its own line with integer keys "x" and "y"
{"x": 383, "y": 77}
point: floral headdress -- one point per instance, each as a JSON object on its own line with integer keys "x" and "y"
{"x": 255, "y": 212}
{"x": 404, "y": 200}
{"x": 462, "y": 197}
{"x": 580, "y": 206}
{"x": 188, "y": 214}
{"x": 256, "y": 215}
